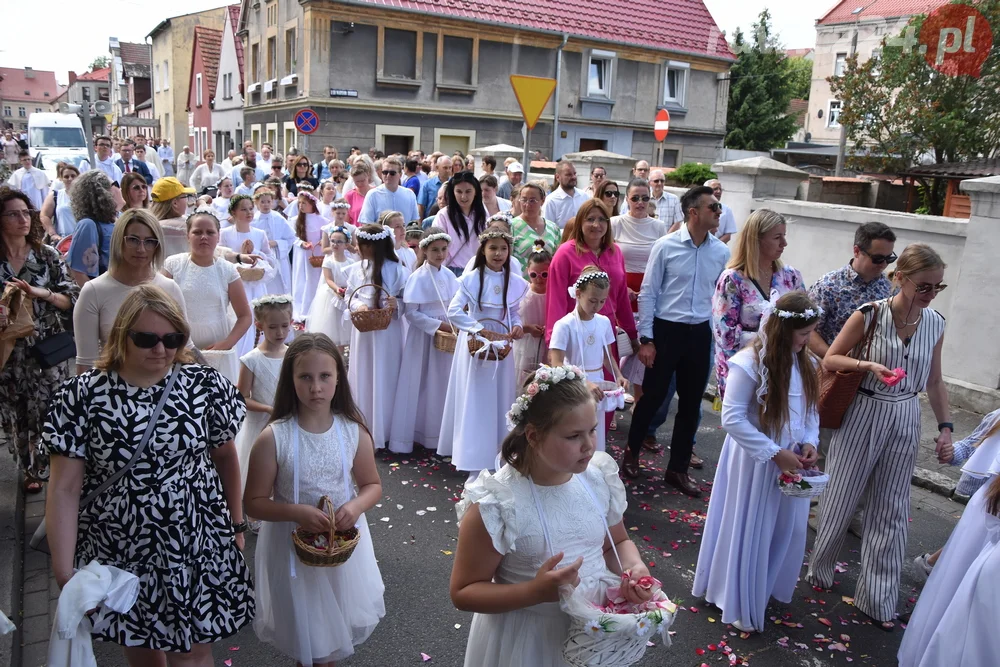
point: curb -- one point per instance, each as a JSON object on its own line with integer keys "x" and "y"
{"x": 17, "y": 587}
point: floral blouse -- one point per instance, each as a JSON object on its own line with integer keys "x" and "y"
{"x": 736, "y": 311}
{"x": 44, "y": 268}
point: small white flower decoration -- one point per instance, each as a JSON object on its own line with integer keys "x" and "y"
{"x": 594, "y": 629}
{"x": 545, "y": 377}
{"x": 643, "y": 626}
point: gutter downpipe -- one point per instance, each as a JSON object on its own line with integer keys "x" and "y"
{"x": 555, "y": 104}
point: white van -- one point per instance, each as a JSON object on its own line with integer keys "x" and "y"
{"x": 54, "y": 138}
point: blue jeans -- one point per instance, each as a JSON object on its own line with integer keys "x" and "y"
{"x": 660, "y": 418}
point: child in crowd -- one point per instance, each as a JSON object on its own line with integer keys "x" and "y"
{"x": 479, "y": 389}
{"x": 246, "y": 187}
{"x": 755, "y": 535}
{"x": 259, "y": 370}
{"x": 583, "y": 337}
{"x": 376, "y": 356}
{"x": 498, "y": 222}
{"x": 339, "y": 212}
{"x": 327, "y": 194}
{"x": 539, "y": 523}
{"x": 423, "y": 378}
{"x": 414, "y": 235}
{"x": 242, "y": 237}
{"x": 280, "y": 236}
{"x": 326, "y": 315}
{"x": 394, "y": 221}
{"x": 315, "y": 445}
{"x": 221, "y": 201}
{"x": 305, "y": 277}
{"x": 531, "y": 350}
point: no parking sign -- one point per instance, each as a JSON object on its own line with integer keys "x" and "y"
{"x": 306, "y": 121}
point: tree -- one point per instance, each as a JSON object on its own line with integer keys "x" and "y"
{"x": 801, "y": 77}
{"x": 897, "y": 109}
{"x": 760, "y": 89}
{"x": 100, "y": 62}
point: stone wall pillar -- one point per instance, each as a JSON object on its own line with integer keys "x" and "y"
{"x": 755, "y": 177}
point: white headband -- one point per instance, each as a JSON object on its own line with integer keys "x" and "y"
{"x": 586, "y": 278}
{"x": 378, "y": 236}
{"x": 271, "y": 300}
{"x": 426, "y": 241}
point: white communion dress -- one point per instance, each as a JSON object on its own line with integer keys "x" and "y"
{"x": 305, "y": 276}
{"x": 423, "y": 378}
{"x": 317, "y": 614}
{"x": 755, "y": 536}
{"x": 279, "y": 231}
{"x": 265, "y": 381}
{"x": 234, "y": 239}
{"x": 326, "y": 314}
{"x": 206, "y": 295}
{"x": 534, "y": 636}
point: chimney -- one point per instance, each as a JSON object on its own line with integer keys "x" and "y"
{"x": 72, "y": 78}
{"x": 29, "y": 73}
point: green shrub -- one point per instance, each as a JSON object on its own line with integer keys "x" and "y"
{"x": 692, "y": 173}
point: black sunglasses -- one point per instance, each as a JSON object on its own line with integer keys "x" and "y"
{"x": 924, "y": 288}
{"x": 147, "y": 340}
{"x": 535, "y": 274}
{"x": 715, "y": 207}
{"x": 636, "y": 199}
{"x": 612, "y": 193}
{"x": 882, "y": 259}
{"x": 389, "y": 172}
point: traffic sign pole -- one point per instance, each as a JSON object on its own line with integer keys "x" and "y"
{"x": 661, "y": 126}
{"x": 532, "y": 93}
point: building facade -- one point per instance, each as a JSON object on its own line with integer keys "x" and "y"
{"x": 227, "y": 110}
{"x": 130, "y": 87}
{"x": 201, "y": 87}
{"x": 89, "y": 88}
{"x": 871, "y": 23}
{"x": 24, "y": 92}
{"x": 426, "y": 76}
{"x": 172, "y": 42}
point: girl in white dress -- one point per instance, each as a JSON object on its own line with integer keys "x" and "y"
{"x": 259, "y": 370}
{"x": 339, "y": 210}
{"x": 583, "y": 337}
{"x": 315, "y": 615}
{"x": 244, "y": 238}
{"x": 327, "y": 195}
{"x": 210, "y": 286}
{"x": 376, "y": 356}
{"x": 531, "y": 350}
{"x": 221, "y": 201}
{"x": 481, "y": 390}
{"x": 755, "y": 536}
{"x": 305, "y": 276}
{"x": 326, "y": 315}
{"x": 533, "y": 527}
{"x": 280, "y": 236}
{"x": 394, "y": 221}
{"x": 423, "y": 378}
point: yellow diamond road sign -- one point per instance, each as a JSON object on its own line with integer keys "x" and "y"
{"x": 533, "y": 93}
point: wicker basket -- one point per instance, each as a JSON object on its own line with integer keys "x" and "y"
{"x": 445, "y": 341}
{"x": 614, "y": 396}
{"x": 332, "y": 555}
{"x": 376, "y": 319}
{"x": 814, "y": 479}
{"x": 250, "y": 273}
{"x": 316, "y": 261}
{"x": 490, "y": 353}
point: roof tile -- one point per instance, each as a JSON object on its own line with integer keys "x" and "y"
{"x": 136, "y": 54}
{"x": 96, "y": 75}
{"x": 13, "y": 85}
{"x": 887, "y": 9}
{"x": 234, "y": 20}
{"x": 210, "y": 42}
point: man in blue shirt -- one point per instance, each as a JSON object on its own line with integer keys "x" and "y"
{"x": 390, "y": 196}
{"x": 411, "y": 180}
{"x": 675, "y": 331}
{"x": 429, "y": 190}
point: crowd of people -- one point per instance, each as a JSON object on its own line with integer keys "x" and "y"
{"x": 293, "y": 318}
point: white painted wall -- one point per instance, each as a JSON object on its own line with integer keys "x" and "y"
{"x": 227, "y": 115}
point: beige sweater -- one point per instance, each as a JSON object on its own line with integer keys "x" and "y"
{"x": 97, "y": 307}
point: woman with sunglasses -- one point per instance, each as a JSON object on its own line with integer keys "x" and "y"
{"x": 607, "y": 193}
{"x": 175, "y": 518}
{"x": 754, "y": 276}
{"x": 39, "y": 272}
{"x": 135, "y": 191}
{"x": 530, "y": 227}
{"x": 463, "y": 219}
{"x": 136, "y": 258}
{"x": 302, "y": 172}
{"x": 874, "y": 451}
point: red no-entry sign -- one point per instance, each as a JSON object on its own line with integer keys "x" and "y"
{"x": 661, "y": 125}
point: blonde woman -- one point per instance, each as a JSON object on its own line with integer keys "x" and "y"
{"x": 175, "y": 519}
{"x": 874, "y": 451}
{"x": 754, "y": 275}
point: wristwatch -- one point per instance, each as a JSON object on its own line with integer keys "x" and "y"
{"x": 645, "y": 339}
{"x": 241, "y": 527}
{"x": 946, "y": 425}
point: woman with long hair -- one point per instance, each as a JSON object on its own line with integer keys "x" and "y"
{"x": 135, "y": 191}
{"x": 305, "y": 277}
{"x": 755, "y": 274}
{"x": 608, "y": 193}
{"x": 301, "y": 173}
{"x": 95, "y": 208}
{"x": 874, "y": 451}
{"x": 463, "y": 219}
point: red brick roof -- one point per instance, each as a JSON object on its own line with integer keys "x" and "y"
{"x": 887, "y": 9}
{"x": 684, "y": 26}
{"x": 234, "y": 20}
{"x": 210, "y": 43}
{"x": 135, "y": 54}
{"x": 97, "y": 75}
{"x": 15, "y": 84}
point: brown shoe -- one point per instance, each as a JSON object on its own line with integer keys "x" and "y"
{"x": 630, "y": 466}
{"x": 651, "y": 445}
{"x": 683, "y": 482}
{"x": 696, "y": 462}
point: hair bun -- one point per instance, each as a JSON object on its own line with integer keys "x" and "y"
{"x": 539, "y": 244}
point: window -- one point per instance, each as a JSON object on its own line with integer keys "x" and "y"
{"x": 599, "y": 74}
{"x": 227, "y": 86}
{"x": 272, "y": 57}
{"x": 38, "y": 110}
{"x": 456, "y": 60}
{"x": 255, "y": 63}
{"x": 197, "y": 90}
{"x": 272, "y": 14}
{"x": 839, "y": 64}
{"x": 156, "y": 78}
{"x": 833, "y": 116}
{"x": 22, "y": 112}
{"x": 675, "y": 84}
{"x": 290, "y": 52}
{"x": 876, "y": 61}
{"x": 166, "y": 75}
{"x": 6, "y": 110}
{"x": 46, "y": 94}
{"x": 399, "y": 55}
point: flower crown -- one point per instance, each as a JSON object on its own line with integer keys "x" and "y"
{"x": 307, "y": 194}
{"x": 235, "y": 200}
{"x": 271, "y": 300}
{"x": 206, "y": 210}
{"x": 807, "y": 314}
{"x": 502, "y": 216}
{"x": 378, "y": 236}
{"x": 545, "y": 377}
{"x": 427, "y": 240}
{"x": 343, "y": 229}
{"x": 587, "y": 277}
{"x": 304, "y": 186}
{"x": 495, "y": 234}
{"x": 338, "y": 205}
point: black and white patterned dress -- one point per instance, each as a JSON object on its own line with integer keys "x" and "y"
{"x": 166, "y": 520}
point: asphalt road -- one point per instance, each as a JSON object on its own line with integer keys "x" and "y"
{"x": 415, "y": 532}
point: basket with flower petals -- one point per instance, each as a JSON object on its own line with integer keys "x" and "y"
{"x": 804, "y": 483}
{"x": 325, "y": 549}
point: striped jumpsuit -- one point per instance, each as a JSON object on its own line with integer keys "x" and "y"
{"x": 873, "y": 454}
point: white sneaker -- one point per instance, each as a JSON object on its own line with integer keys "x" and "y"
{"x": 742, "y": 628}
{"x": 923, "y": 569}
